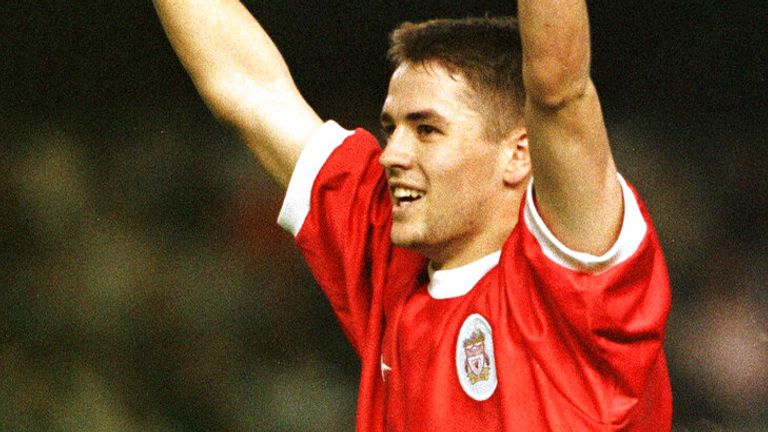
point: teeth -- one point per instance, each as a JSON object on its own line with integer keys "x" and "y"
{"x": 401, "y": 192}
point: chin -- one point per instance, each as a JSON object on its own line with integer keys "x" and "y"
{"x": 404, "y": 238}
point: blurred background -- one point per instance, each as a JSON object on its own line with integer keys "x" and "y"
{"x": 145, "y": 286}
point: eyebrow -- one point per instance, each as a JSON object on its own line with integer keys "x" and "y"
{"x": 416, "y": 116}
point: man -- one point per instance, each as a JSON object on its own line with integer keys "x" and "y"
{"x": 476, "y": 297}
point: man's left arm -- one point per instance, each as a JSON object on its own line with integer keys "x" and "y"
{"x": 576, "y": 189}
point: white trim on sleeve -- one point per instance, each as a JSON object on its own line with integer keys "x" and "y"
{"x": 633, "y": 231}
{"x": 317, "y": 150}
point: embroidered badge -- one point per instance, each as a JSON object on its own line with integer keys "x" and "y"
{"x": 475, "y": 361}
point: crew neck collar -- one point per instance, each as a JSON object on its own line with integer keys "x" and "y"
{"x": 458, "y": 281}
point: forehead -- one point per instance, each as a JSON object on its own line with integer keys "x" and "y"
{"x": 429, "y": 86}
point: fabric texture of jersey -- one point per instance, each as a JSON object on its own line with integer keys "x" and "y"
{"x": 534, "y": 337}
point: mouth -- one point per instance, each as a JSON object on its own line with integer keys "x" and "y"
{"x": 404, "y": 197}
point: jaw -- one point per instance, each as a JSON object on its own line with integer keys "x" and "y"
{"x": 404, "y": 233}
{"x": 414, "y": 233}
{"x": 449, "y": 245}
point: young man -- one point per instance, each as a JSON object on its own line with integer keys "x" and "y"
{"x": 476, "y": 297}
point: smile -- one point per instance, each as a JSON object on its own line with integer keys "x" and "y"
{"x": 404, "y": 195}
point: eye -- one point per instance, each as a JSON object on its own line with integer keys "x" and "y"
{"x": 387, "y": 129}
{"x": 425, "y": 130}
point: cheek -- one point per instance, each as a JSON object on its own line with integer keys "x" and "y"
{"x": 460, "y": 181}
{"x": 472, "y": 177}
{"x": 457, "y": 202}
{"x": 473, "y": 193}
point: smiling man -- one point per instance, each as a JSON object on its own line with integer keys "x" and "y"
{"x": 445, "y": 173}
{"x": 476, "y": 297}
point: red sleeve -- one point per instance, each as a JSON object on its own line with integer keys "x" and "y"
{"x": 595, "y": 325}
{"x": 344, "y": 233}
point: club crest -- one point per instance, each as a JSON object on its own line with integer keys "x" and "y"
{"x": 475, "y": 361}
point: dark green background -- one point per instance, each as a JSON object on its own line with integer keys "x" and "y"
{"x": 144, "y": 285}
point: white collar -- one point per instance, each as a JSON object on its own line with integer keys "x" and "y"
{"x": 455, "y": 282}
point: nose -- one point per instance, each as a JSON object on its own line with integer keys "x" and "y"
{"x": 398, "y": 152}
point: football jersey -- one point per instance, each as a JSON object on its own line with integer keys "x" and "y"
{"x": 533, "y": 337}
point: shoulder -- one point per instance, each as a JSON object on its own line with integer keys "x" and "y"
{"x": 634, "y": 230}
{"x": 331, "y": 147}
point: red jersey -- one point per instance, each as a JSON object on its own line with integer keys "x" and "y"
{"x": 534, "y": 337}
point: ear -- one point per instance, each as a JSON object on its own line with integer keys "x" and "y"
{"x": 518, "y": 165}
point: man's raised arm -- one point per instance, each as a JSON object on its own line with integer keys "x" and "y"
{"x": 242, "y": 77}
{"x": 577, "y": 191}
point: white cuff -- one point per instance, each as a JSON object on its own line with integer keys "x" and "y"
{"x": 633, "y": 231}
{"x": 317, "y": 150}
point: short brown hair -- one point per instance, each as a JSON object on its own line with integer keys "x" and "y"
{"x": 485, "y": 51}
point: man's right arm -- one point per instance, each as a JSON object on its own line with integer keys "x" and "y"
{"x": 242, "y": 77}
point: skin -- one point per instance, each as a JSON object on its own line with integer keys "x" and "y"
{"x": 242, "y": 77}
{"x": 577, "y": 193}
{"x": 469, "y": 186}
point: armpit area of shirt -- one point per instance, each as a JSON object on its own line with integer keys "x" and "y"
{"x": 633, "y": 230}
